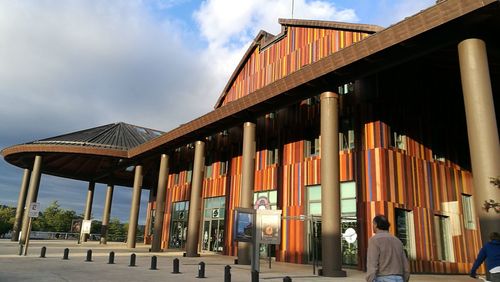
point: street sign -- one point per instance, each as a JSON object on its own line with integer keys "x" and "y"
{"x": 86, "y": 226}
{"x": 34, "y": 209}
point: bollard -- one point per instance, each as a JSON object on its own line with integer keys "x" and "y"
{"x": 176, "y": 266}
{"x": 227, "y": 273}
{"x": 111, "y": 258}
{"x": 89, "y": 256}
{"x": 66, "y": 254}
{"x": 43, "y": 251}
{"x": 153, "y": 263}
{"x": 132, "y": 260}
{"x": 255, "y": 276}
{"x": 287, "y": 279}
{"x": 20, "y": 249}
{"x": 201, "y": 270}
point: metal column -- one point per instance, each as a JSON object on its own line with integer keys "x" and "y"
{"x": 134, "y": 207}
{"x": 21, "y": 201}
{"x": 88, "y": 205}
{"x": 195, "y": 200}
{"x": 247, "y": 183}
{"x": 481, "y": 128}
{"x": 32, "y": 193}
{"x": 160, "y": 204}
{"x": 106, "y": 214}
{"x": 331, "y": 234}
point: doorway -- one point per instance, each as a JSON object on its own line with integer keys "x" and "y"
{"x": 213, "y": 224}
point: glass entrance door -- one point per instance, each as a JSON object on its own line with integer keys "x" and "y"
{"x": 213, "y": 225}
{"x": 178, "y": 227}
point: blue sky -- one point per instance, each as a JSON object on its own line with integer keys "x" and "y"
{"x": 71, "y": 65}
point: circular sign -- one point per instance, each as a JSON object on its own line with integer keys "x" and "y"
{"x": 350, "y": 235}
{"x": 262, "y": 203}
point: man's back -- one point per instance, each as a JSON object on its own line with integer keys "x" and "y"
{"x": 386, "y": 257}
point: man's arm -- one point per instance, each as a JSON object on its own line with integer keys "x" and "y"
{"x": 480, "y": 258}
{"x": 372, "y": 256}
{"x": 406, "y": 268}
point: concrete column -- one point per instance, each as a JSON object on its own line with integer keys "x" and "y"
{"x": 160, "y": 203}
{"x": 134, "y": 207}
{"x": 481, "y": 128}
{"x": 32, "y": 193}
{"x": 106, "y": 213}
{"x": 330, "y": 187}
{"x": 247, "y": 183}
{"x": 195, "y": 201}
{"x": 88, "y": 205}
{"x": 21, "y": 201}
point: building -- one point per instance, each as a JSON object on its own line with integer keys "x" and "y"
{"x": 332, "y": 123}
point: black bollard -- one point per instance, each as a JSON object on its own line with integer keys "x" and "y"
{"x": 111, "y": 258}
{"x": 153, "y": 263}
{"x": 255, "y": 276}
{"x": 66, "y": 254}
{"x": 227, "y": 273}
{"x": 287, "y": 279}
{"x": 176, "y": 266}
{"x": 132, "y": 260}
{"x": 201, "y": 270}
{"x": 89, "y": 256}
{"x": 43, "y": 251}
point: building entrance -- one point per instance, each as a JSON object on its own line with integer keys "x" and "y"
{"x": 213, "y": 225}
{"x": 178, "y": 226}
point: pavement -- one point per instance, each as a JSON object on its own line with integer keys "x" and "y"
{"x": 54, "y": 268}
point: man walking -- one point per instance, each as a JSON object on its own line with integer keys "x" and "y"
{"x": 386, "y": 259}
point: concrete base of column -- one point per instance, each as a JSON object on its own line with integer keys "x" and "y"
{"x": 333, "y": 273}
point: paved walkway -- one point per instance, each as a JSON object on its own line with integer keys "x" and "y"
{"x": 53, "y": 268}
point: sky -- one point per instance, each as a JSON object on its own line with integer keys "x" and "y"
{"x": 71, "y": 65}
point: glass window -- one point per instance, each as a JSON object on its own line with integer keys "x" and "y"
{"x": 468, "y": 212}
{"x": 270, "y": 195}
{"x": 348, "y": 199}
{"x": 311, "y": 147}
{"x": 444, "y": 243}
{"x": 405, "y": 230}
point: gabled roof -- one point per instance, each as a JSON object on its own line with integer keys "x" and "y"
{"x": 119, "y": 136}
{"x": 264, "y": 39}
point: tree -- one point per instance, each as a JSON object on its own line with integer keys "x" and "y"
{"x": 54, "y": 219}
{"x": 492, "y": 204}
{"x": 116, "y": 230}
{"x": 7, "y": 217}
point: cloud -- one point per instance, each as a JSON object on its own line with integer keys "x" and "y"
{"x": 229, "y": 26}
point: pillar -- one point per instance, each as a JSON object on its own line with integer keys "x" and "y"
{"x": 195, "y": 201}
{"x": 247, "y": 183}
{"x": 106, "y": 213}
{"x": 88, "y": 205}
{"x": 134, "y": 207}
{"x": 21, "y": 201}
{"x": 331, "y": 234}
{"x": 160, "y": 203}
{"x": 481, "y": 128}
{"x": 32, "y": 194}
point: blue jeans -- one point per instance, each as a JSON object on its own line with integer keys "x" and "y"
{"x": 389, "y": 278}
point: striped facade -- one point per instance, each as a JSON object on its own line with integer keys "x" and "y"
{"x": 388, "y": 177}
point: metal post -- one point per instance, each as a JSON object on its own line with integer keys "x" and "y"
{"x": 66, "y": 254}
{"x": 255, "y": 276}
{"x": 176, "y": 266}
{"x": 89, "y": 256}
{"x": 111, "y": 258}
{"x": 160, "y": 203}
{"x": 287, "y": 279}
{"x": 201, "y": 270}
{"x": 134, "y": 209}
{"x": 132, "y": 260}
{"x": 153, "y": 263}
{"x": 43, "y": 251}
{"x": 227, "y": 273}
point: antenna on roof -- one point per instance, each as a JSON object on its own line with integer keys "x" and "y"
{"x": 292, "y": 7}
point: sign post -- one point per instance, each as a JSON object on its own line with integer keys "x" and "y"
{"x": 32, "y": 213}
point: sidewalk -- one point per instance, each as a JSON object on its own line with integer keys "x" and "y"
{"x": 53, "y": 268}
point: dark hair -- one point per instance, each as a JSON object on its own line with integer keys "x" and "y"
{"x": 381, "y": 222}
{"x": 494, "y": 236}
